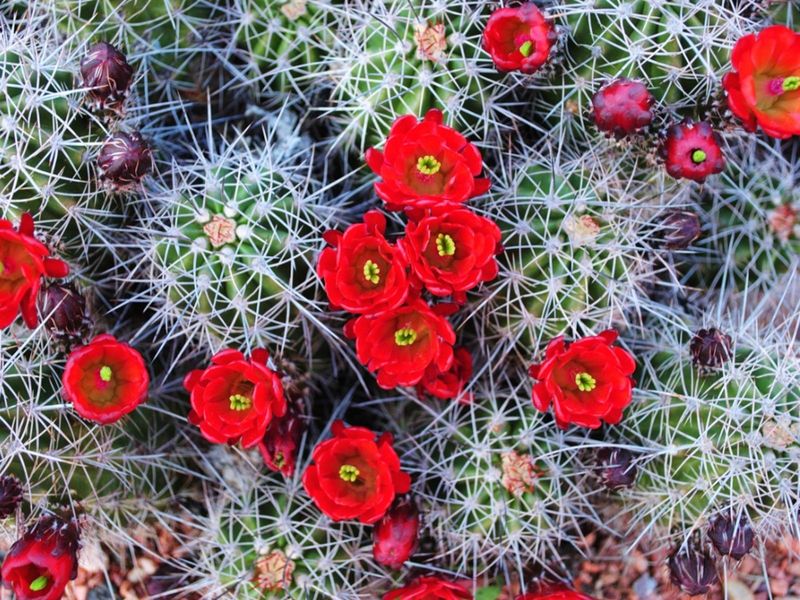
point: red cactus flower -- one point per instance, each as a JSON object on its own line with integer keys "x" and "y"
{"x": 363, "y": 273}
{"x": 105, "y": 380}
{"x": 449, "y": 384}
{"x": 425, "y": 163}
{"x": 280, "y": 444}
{"x": 587, "y": 381}
{"x": 354, "y": 476}
{"x": 235, "y": 399}
{"x": 452, "y": 252}
{"x": 107, "y": 74}
{"x": 41, "y": 563}
{"x": 622, "y": 107}
{"x": 550, "y": 592}
{"x": 125, "y": 159}
{"x": 692, "y": 151}
{"x": 394, "y": 537}
{"x": 519, "y": 38}
{"x": 24, "y": 260}
{"x": 432, "y": 588}
{"x": 401, "y": 344}
{"x": 764, "y": 86}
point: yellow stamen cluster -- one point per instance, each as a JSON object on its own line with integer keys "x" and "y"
{"x": 349, "y": 473}
{"x": 405, "y": 336}
{"x": 445, "y": 245}
{"x": 428, "y": 165}
{"x": 372, "y": 272}
{"x": 106, "y": 373}
{"x": 239, "y": 402}
{"x": 585, "y": 382}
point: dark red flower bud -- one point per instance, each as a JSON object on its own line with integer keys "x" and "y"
{"x": 106, "y": 71}
{"x": 62, "y": 309}
{"x": 282, "y": 440}
{"x": 394, "y": 538}
{"x": 125, "y": 159}
{"x": 680, "y": 229}
{"x": 692, "y": 151}
{"x": 692, "y": 570}
{"x": 168, "y": 582}
{"x": 10, "y": 495}
{"x": 41, "y": 563}
{"x": 616, "y": 467}
{"x": 710, "y": 348}
{"x": 622, "y": 107}
{"x": 731, "y": 534}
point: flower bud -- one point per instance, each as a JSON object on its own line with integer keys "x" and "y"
{"x": 710, "y": 348}
{"x": 10, "y": 495}
{"x": 281, "y": 441}
{"x": 731, "y": 534}
{"x": 63, "y": 310}
{"x": 395, "y": 535}
{"x": 41, "y": 563}
{"x": 107, "y": 74}
{"x": 124, "y": 160}
{"x": 692, "y": 570}
{"x": 616, "y": 467}
{"x": 680, "y": 229}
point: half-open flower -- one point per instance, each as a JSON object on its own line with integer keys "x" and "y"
{"x": 554, "y": 592}
{"x": 432, "y": 588}
{"x": 24, "y": 260}
{"x": 354, "y": 476}
{"x": 41, "y": 563}
{"x": 425, "y": 163}
{"x": 587, "y": 381}
{"x": 363, "y": 273}
{"x": 519, "y": 38}
{"x": 764, "y": 86}
{"x": 449, "y": 384}
{"x": 401, "y": 344}
{"x": 105, "y": 379}
{"x": 235, "y": 399}
{"x": 452, "y": 252}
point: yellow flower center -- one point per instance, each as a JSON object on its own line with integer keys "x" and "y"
{"x": 428, "y": 165}
{"x": 349, "y": 473}
{"x": 585, "y": 382}
{"x": 526, "y": 48}
{"x": 106, "y": 373}
{"x": 239, "y": 402}
{"x": 372, "y": 272}
{"x": 445, "y": 245}
{"x": 38, "y": 584}
{"x": 405, "y": 336}
{"x": 698, "y": 156}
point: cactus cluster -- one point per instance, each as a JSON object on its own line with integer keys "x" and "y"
{"x": 559, "y": 306}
